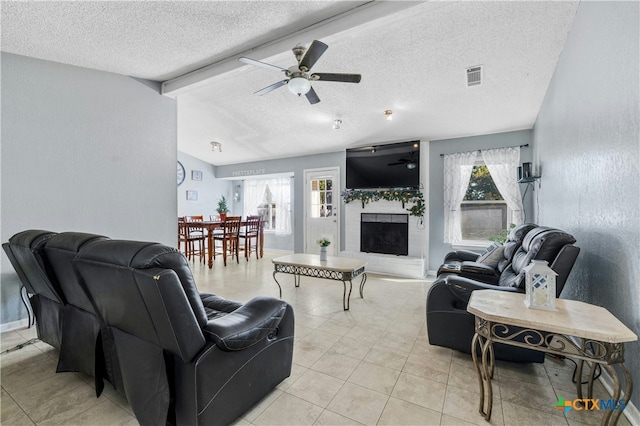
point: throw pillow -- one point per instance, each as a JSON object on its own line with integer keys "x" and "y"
{"x": 491, "y": 255}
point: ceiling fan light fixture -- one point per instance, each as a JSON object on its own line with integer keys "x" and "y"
{"x": 411, "y": 166}
{"x": 216, "y": 146}
{"x": 388, "y": 115}
{"x": 299, "y": 86}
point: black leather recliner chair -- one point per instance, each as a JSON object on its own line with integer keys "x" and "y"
{"x": 81, "y": 327}
{"x": 468, "y": 264}
{"x": 450, "y": 325}
{"x": 185, "y": 357}
{"x": 64, "y": 316}
{"x": 24, "y": 251}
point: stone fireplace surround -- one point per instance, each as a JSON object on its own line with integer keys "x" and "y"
{"x": 414, "y": 265}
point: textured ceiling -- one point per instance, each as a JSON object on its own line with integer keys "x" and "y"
{"x": 412, "y": 57}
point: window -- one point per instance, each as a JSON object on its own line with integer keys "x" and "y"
{"x": 321, "y": 197}
{"x": 484, "y": 212}
{"x": 481, "y": 193}
{"x": 271, "y": 199}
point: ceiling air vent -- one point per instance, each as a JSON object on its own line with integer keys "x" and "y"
{"x": 474, "y": 76}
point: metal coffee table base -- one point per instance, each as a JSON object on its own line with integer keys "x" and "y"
{"x": 325, "y": 272}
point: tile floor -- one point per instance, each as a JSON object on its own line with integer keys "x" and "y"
{"x": 369, "y": 365}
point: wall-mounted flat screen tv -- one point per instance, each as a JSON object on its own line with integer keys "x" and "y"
{"x": 394, "y": 165}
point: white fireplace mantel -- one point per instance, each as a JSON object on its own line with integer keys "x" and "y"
{"x": 413, "y": 265}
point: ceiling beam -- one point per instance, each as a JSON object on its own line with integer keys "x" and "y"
{"x": 355, "y": 17}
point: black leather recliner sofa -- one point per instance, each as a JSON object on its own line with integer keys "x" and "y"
{"x": 450, "y": 325}
{"x": 178, "y": 355}
{"x": 468, "y": 264}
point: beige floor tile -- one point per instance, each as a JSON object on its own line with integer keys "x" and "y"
{"x": 31, "y": 397}
{"x": 289, "y": 410}
{"x": 448, "y": 420}
{"x": 375, "y": 377}
{"x": 307, "y": 352}
{"x": 428, "y": 367}
{"x": 336, "y": 365}
{"x": 296, "y": 372}
{"x": 358, "y": 403}
{"x": 387, "y": 357}
{"x": 11, "y": 411}
{"x": 330, "y": 418}
{"x": 531, "y": 372}
{"x": 422, "y": 347}
{"x": 10, "y": 339}
{"x": 394, "y": 340}
{"x": 527, "y": 394}
{"x": 105, "y": 413}
{"x": 399, "y": 412}
{"x": 515, "y": 414}
{"x": 418, "y": 390}
{"x": 316, "y": 387}
{"x": 352, "y": 347}
{"x": 64, "y": 407}
{"x": 464, "y": 404}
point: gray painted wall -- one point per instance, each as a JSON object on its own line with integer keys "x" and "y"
{"x": 209, "y": 189}
{"x": 587, "y": 144}
{"x": 437, "y": 248}
{"x": 295, "y": 165}
{"x": 83, "y": 150}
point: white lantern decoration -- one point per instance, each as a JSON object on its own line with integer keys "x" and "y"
{"x": 540, "y": 285}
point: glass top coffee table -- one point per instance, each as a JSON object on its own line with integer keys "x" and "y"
{"x": 334, "y": 268}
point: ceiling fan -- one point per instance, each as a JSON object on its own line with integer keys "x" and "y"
{"x": 298, "y": 78}
{"x": 409, "y": 163}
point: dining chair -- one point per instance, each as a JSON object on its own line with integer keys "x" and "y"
{"x": 190, "y": 235}
{"x": 228, "y": 238}
{"x": 251, "y": 231}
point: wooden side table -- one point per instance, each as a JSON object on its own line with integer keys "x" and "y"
{"x": 502, "y": 317}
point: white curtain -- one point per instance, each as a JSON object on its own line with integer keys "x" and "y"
{"x": 280, "y": 195}
{"x": 502, "y": 164}
{"x": 253, "y": 195}
{"x": 281, "y": 191}
{"x": 457, "y": 172}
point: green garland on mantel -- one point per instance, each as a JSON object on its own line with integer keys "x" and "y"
{"x": 401, "y": 195}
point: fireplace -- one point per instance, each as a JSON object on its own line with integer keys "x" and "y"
{"x": 384, "y": 233}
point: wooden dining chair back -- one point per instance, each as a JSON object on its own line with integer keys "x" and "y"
{"x": 193, "y": 238}
{"x": 228, "y": 238}
{"x": 250, "y": 234}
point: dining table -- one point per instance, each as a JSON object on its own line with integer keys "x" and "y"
{"x": 211, "y": 225}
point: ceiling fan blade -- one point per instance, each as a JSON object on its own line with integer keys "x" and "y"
{"x": 344, "y": 78}
{"x": 260, "y": 64}
{"x": 395, "y": 164}
{"x": 314, "y": 52}
{"x": 268, "y": 89}
{"x": 312, "y": 97}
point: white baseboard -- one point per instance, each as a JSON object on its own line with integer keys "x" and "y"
{"x": 631, "y": 411}
{"x": 401, "y": 266}
{"x": 15, "y": 325}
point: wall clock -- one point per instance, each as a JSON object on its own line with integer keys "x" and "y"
{"x": 181, "y": 173}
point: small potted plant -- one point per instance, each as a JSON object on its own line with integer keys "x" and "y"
{"x": 323, "y": 243}
{"x": 222, "y": 208}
